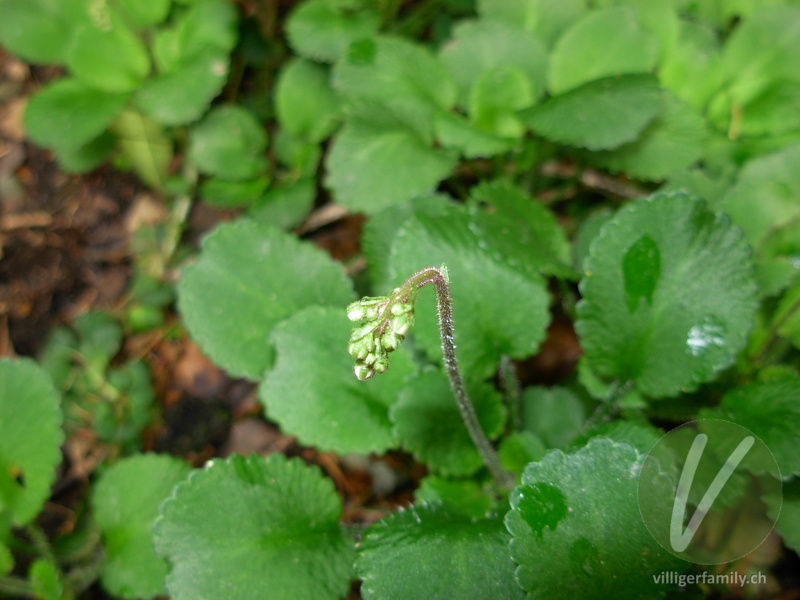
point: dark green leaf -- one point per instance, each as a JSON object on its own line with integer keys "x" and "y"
{"x": 428, "y": 553}
{"x": 250, "y": 528}
{"x": 668, "y": 296}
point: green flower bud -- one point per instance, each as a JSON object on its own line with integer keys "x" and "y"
{"x": 363, "y": 372}
{"x": 391, "y": 341}
{"x": 356, "y": 312}
{"x": 401, "y": 324}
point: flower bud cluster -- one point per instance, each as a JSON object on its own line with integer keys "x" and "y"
{"x": 387, "y": 322}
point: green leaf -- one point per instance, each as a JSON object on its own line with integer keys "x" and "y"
{"x": 692, "y": 70}
{"x": 381, "y": 228}
{"x": 441, "y": 554}
{"x": 427, "y": 420}
{"x": 602, "y": 43}
{"x": 87, "y": 157}
{"x": 312, "y": 392}
{"x": 400, "y": 75}
{"x": 248, "y": 278}
{"x": 673, "y": 141}
{"x": 250, "y": 528}
{"x": 497, "y": 308}
{"x": 182, "y": 95}
{"x": 773, "y": 112}
{"x": 66, "y": 114}
{"x": 370, "y": 168}
{"x": 45, "y": 580}
{"x": 496, "y": 97}
{"x": 518, "y": 449}
{"x": 106, "y": 55}
{"x": 456, "y": 132}
{"x": 224, "y": 193}
{"x": 770, "y": 411}
{"x": 601, "y": 114}
{"x": 126, "y": 500}
{"x": 641, "y": 436}
{"x": 324, "y": 29}
{"x": 478, "y": 47}
{"x": 785, "y": 508}
{"x": 462, "y": 496}
{"x": 287, "y": 205}
{"x": 546, "y": 18}
{"x": 761, "y": 51}
{"x": 668, "y": 296}
{"x": 34, "y": 31}
{"x": 556, "y": 415}
{"x": 765, "y": 197}
{"x": 145, "y": 14}
{"x": 145, "y": 145}
{"x": 305, "y": 102}
{"x": 30, "y": 438}
{"x": 523, "y": 233}
{"x": 229, "y": 143}
{"x": 576, "y": 528}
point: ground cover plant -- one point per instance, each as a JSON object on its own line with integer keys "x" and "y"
{"x": 459, "y": 265}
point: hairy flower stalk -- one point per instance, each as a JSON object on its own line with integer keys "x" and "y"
{"x": 387, "y": 320}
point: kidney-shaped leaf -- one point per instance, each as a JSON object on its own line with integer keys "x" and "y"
{"x": 313, "y": 393}
{"x": 429, "y": 553}
{"x": 30, "y": 436}
{"x": 126, "y": 502}
{"x": 254, "y": 528}
{"x": 668, "y": 295}
{"x": 248, "y": 278}
{"x": 576, "y": 528}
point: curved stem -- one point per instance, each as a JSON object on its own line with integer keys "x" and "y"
{"x": 444, "y": 305}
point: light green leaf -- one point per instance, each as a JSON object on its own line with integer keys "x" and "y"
{"x": 456, "y": 132}
{"x": 145, "y": 14}
{"x": 66, "y": 114}
{"x": 304, "y": 100}
{"x": 324, "y": 29}
{"x": 229, "y": 143}
{"x": 546, "y": 18}
{"x": 602, "y": 43}
{"x": 766, "y": 196}
{"x": 182, "y": 95}
{"x": 601, "y": 114}
{"x": 478, "y": 47}
{"x": 762, "y": 50}
{"x": 30, "y": 437}
{"x": 6, "y": 559}
{"x": 398, "y": 74}
{"x": 641, "y": 436}
{"x": 770, "y": 410}
{"x": 496, "y": 97}
{"x": 497, "y": 308}
{"x": 248, "y": 278}
{"x": 207, "y": 24}
{"x": 106, "y": 55}
{"x": 692, "y": 70}
{"x": 462, "y": 496}
{"x": 427, "y": 420}
{"x": 370, "y": 168}
{"x": 775, "y": 111}
{"x": 224, "y": 193}
{"x": 576, "y": 528}
{"x": 287, "y": 205}
{"x": 518, "y": 449}
{"x": 556, "y": 415}
{"x": 673, "y": 141}
{"x": 381, "y": 229}
{"x": 443, "y": 555}
{"x": 145, "y": 145}
{"x": 45, "y": 580}
{"x": 522, "y": 232}
{"x": 312, "y": 391}
{"x": 126, "y": 500}
{"x": 34, "y": 31}
{"x": 250, "y": 528}
{"x": 668, "y": 295}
